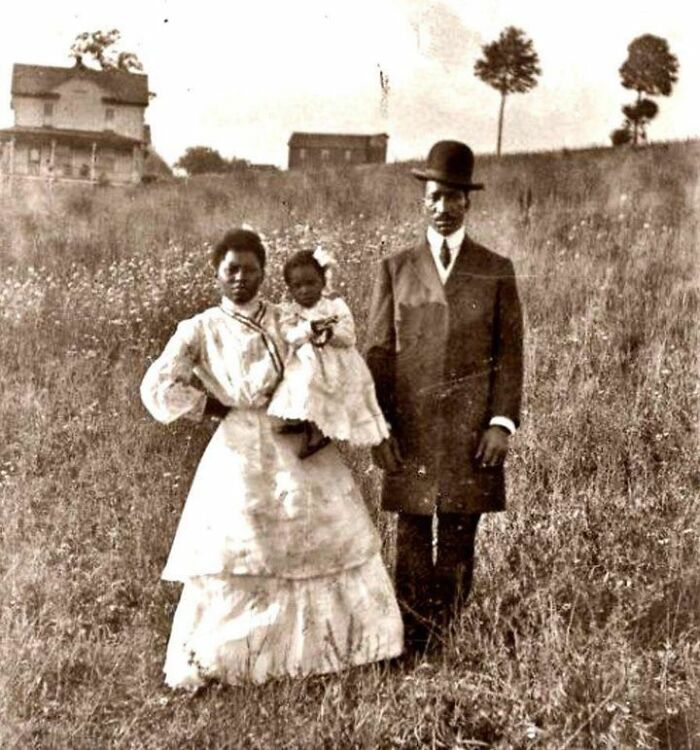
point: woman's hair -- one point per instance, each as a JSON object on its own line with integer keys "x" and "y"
{"x": 238, "y": 239}
{"x": 303, "y": 259}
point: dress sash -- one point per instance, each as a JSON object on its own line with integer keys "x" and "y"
{"x": 254, "y": 324}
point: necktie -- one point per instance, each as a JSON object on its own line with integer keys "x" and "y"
{"x": 445, "y": 254}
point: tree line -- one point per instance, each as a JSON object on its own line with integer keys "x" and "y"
{"x": 509, "y": 64}
{"x": 205, "y": 160}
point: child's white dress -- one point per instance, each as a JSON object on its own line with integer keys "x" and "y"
{"x": 326, "y": 381}
{"x": 279, "y": 557}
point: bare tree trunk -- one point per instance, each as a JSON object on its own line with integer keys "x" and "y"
{"x": 500, "y": 123}
{"x": 635, "y": 130}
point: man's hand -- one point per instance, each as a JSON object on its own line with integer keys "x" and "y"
{"x": 493, "y": 447}
{"x": 387, "y": 456}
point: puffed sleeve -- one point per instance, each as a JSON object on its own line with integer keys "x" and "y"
{"x": 166, "y": 390}
{"x": 344, "y": 329}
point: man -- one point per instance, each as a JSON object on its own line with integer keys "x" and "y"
{"x": 445, "y": 349}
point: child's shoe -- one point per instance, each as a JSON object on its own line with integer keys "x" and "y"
{"x": 291, "y": 426}
{"x": 313, "y": 441}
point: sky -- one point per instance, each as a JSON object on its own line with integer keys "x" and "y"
{"x": 242, "y": 76}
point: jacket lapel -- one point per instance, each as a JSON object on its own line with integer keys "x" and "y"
{"x": 423, "y": 267}
{"x": 466, "y": 269}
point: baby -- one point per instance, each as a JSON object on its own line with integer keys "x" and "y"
{"x": 327, "y": 391}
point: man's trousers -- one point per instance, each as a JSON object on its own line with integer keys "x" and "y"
{"x": 430, "y": 593}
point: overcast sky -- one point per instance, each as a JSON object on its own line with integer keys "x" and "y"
{"x": 241, "y": 76}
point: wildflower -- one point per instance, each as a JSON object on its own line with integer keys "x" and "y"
{"x": 532, "y": 731}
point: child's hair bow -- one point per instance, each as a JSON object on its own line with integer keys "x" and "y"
{"x": 324, "y": 258}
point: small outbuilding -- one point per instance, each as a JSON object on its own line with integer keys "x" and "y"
{"x": 336, "y": 149}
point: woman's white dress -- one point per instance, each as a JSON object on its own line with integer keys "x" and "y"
{"x": 328, "y": 383}
{"x": 280, "y": 561}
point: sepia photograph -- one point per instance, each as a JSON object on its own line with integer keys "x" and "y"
{"x": 349, "y": 363}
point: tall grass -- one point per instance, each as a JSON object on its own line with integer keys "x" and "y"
{"x": 583, "y": 628}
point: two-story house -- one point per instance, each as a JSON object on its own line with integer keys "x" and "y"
{"x": 314, "y": 150}
{"x": 76, "y": 124}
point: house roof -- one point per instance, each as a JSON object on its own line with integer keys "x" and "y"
{"x": 334, "y": 140}
{"x": 40, "y": 80}
{"x": 61, "y": 135}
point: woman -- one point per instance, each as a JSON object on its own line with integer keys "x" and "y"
{"x": 280, "y": 561}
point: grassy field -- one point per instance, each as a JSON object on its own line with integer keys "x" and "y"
{"x": 584, "y": 626}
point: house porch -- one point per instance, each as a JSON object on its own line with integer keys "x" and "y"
{"x": 84, "y": 156}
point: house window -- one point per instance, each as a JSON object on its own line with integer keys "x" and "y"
{"x": 63, "y": 162}
{"x": 325, "y": 154}
{"x": 106, "y": 160}
{"x": 34, "y": 160}
{"x": 123, "y": 161}
{"x": 348, "y": 154}
{"x": 48, "y": 112}
{"x": 109, "y": 116}
{"x": 302, "y": 154}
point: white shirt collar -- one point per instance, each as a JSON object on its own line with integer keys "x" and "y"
{"x": 454, "y": 242}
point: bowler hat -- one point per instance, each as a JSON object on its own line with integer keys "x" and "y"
{"x": 450, "y": 162}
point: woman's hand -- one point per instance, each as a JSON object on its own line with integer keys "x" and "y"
{"x": 215, "y": 410}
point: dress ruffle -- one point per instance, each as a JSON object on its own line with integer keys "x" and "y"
{"x": 347, "y": 411}
{"x": 251, "y": 629}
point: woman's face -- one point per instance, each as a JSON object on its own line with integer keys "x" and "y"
{"x": 305, "y": 285}
{"x": 239, "y": 275}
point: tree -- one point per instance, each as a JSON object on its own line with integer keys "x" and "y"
{"x": 511, "y": 66}
{"x": 639, "y": 115}
{"x": 651, "y": 69}
{"x": 98, "y": 45}
{"x": 622, "y": 136}
{"x": 202, "y": 160}
{"x": 237, "y": 165}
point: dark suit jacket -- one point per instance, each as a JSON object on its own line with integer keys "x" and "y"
{"x": 445, "y": 359}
